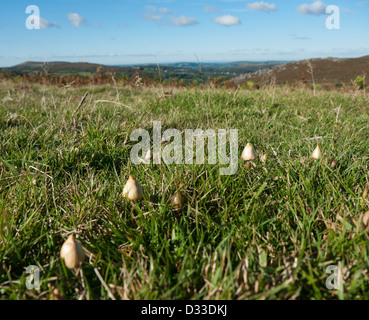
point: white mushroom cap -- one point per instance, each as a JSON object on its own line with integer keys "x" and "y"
{"x": 316, "y": 153}
{"x": 248, "y": 154}
{"x": 72, "y": 253}
{"x": 132, "y": 190}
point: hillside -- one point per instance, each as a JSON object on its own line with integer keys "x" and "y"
{"x": 60, "y": 68}
{"x": 330, "y": 71}
{"x": 183, "y": 71}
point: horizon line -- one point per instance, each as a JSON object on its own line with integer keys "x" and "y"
{"x": 179, "y": 61}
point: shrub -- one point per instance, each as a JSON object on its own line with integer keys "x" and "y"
{"x": 250, "y": 84}
{"x": 360, "y": 82}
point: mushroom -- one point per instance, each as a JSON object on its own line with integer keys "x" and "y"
{"x": 365, "y": 219}
{"x": 248, "y": 154}
{"x": 178, "y": 201}
{"x": 132, "y": 190}
{"x": 263, "y": 158}
{"x": 332, "y": 162}
{"x": 72, "y": 253}
{"x": 316, "y": 153}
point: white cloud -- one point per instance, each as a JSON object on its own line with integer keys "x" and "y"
{"x": 184, "y": 21}
{"x": 151, "y": 17}
{"x": 210, "y": 9}
{"x": 165, "y": 11}
{"x": 161, "y": 10}
{"x": 317, "y": 8}
{"x": 262, "y": 6}
{"x": 153, "y": 13}
{"x": 44, "y": 24}
{"x": 227, "y": 20}
{"x": 75, "y": 19}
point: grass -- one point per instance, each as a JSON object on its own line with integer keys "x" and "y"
{"x": 268, "y": 232}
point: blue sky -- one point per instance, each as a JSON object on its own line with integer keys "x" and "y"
{"x": 143, "y": 31}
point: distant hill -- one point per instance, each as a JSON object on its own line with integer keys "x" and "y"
{"x": 214, "y": 69}
{"x": 61, "y": 68}
{"x": 221, "y": 65}
{"x": 327, "y": 72}
{"x": 186, "y": 71}
{"x": 330, "y": 71}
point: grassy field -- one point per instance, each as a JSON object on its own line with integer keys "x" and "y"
{"x": 267, "y": 232}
